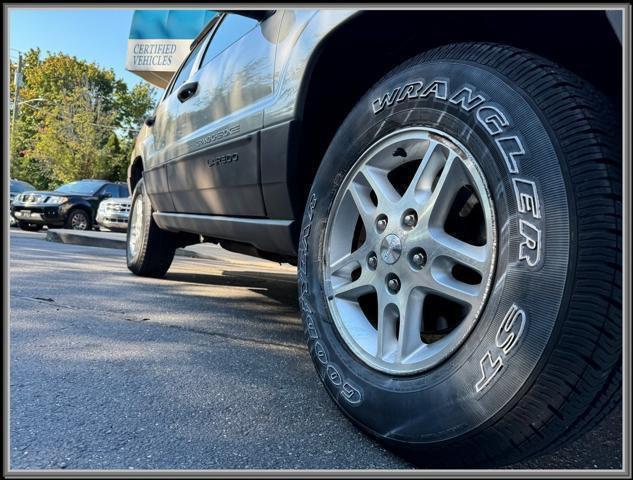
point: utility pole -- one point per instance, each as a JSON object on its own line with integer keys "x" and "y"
{"x": 18, "y": 84}
{"x": 16, "y": 100}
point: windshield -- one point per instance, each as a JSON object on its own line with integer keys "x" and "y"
{"x": 18, "y": 186}
{"x": 83, "y": 187}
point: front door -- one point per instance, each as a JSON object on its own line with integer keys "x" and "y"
{"x": 216, "y": 167}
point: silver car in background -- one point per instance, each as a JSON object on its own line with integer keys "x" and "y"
{"x": 113, "y": 213}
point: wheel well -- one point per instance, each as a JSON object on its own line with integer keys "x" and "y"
{"x": 363, "y": 49}
{"x": 86, "y": 210}
{"x": 136, "y": 173}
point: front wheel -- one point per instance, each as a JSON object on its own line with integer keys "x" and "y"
{"x": 79, "y": 219}
{"x": 460, "y": 255}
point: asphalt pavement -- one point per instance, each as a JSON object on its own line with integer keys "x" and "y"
{"x": 204, "y": 369}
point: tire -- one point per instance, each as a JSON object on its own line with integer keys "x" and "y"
{"x": 154, "y": 251}
{"x": 79, "y": 219}
{"x": 539, "y": 361}
{"x": 30, "y": 227}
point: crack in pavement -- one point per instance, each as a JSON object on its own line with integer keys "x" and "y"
{"x": 137, "y": 319}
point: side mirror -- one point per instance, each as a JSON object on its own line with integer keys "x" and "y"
{"x": 149, "y": 121}
{"x": 106, "y": 195}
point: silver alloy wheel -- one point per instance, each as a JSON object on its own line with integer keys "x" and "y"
{"x": 79, "y": 220}
{"x": 407, "y": 267}
{"x": 135, "y": 227}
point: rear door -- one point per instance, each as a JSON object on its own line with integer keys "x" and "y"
{"x": 160, "y": 146}
{"x": 216, "y": 169}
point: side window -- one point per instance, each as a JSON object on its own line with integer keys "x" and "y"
{"x": 184, "y": 72}
{"x": 111, "y": 189}
{"x": 232, "y": 28}
{"x": 123, "y": 191}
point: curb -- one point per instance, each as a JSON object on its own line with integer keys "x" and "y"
{"x": 89, "y": 241}
{"x": 75, "y": 239}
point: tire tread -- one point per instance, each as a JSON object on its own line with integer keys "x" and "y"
{"x": 579, "y": 383}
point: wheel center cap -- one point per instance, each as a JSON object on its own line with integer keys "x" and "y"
{"x": 391, "y": 248}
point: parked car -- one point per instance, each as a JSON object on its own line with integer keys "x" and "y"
{"x": 454, "y": 209}
{"x": 16, "y": 187}
{"x": 113, "y": 213}
{"x": 73, "y": 205}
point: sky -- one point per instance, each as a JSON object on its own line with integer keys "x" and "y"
{"x": 95, "y": 35}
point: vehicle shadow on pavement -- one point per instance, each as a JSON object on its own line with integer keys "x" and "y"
{"x": 169, "y": 399}
{"x": 280, "y": 287}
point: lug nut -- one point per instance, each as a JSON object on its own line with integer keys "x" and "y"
{"x": 419, "y": 260}
{"x": 381, "y": 224}
{"x": 372, "y": 261}
{"x": 409, "y": 220}
{"x": 394, "y": 285}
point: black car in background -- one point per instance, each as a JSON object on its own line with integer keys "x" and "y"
{"x": 17, "y": 187}
{"x": 73, "y": 205}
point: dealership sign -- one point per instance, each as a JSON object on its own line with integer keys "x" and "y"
{"x": 159, "y": 41}
{"x": 156, "y": 55}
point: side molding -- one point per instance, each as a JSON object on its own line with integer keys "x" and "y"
{"x": 272, "y": 236}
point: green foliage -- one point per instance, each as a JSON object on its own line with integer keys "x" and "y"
{"x": 76, "y": 120}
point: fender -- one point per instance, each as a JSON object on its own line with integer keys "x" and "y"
{"x": 137, "y": 165}
{"x": 302, "y": 34}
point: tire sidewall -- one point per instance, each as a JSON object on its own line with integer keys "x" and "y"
{"x": 445, "y": 403}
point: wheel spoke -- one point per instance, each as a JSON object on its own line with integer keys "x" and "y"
{"x": 387, "y": 317}
{"x": 441, "y": 282}
{"x": 421, "y": 183}
{"x": 352, "y": 259}
{"x": 352, "y": 289}
{"x": 473, "y": 256}
{"x": 380, "y": 184}
{"x": 441, "y": 200}
{"x": 364, "y": 205}
{"x": 409, "y": 339}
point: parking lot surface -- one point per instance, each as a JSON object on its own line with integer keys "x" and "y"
{"x": 203, "y": 369}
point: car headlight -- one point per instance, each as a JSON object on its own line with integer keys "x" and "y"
{"x": 56, "y": 200}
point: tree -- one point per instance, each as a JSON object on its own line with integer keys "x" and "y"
{"x": 116, "y": 159}
{"x": 134, "y": 105}
{"x": 77, "y": 120}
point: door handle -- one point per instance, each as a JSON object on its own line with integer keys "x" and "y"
{"x": 187, "y": 91}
